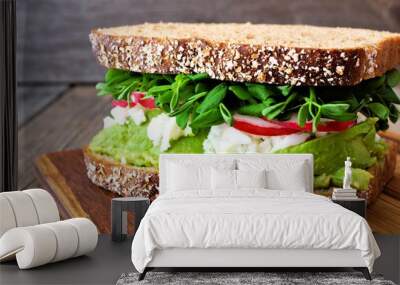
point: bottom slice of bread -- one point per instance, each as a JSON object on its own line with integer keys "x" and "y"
{"x": 123, "y": 179}
{"x": 134, "y": 181}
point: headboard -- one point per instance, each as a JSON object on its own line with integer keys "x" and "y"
{"x": 212, "y": 159}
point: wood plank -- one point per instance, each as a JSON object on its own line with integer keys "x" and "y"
{"x": 74, "y": 119}
{"x": 384, "y": 215}
{"x": 54, "y": 47}
{"x": 60, "y": 186}
{"x": 33, "y": 99}
{"x": 42, "y": 183}
{"x": 393, "y": 188}
{"x": 63, "y": 174}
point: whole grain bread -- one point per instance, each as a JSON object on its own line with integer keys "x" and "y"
{"x": 125, "y": 180}
{"x": 274, "y": 54}
{"x": 143, "y": 181}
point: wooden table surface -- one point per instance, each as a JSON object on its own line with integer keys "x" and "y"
{"x": 71, "y": 121}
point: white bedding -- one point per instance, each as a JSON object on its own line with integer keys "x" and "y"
{"x": 250, "y": 219}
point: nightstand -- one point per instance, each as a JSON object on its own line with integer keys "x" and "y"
{"x": 119, "y": 216}
{"x": 358, "y": 205}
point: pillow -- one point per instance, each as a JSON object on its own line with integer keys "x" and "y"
{"x": 292, "y": 178}
{"x": 223, "y": 179}
{"x": 183, "y": 177}
{"x": 251, "y": 178}
{"x": 195, "y": 174}
{"x": 226, "y": 179}
{"x": 281, "y": 174}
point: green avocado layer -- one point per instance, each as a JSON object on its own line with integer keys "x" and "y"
{"x": 129, "y": 142}
{"x": 332, "y": 150}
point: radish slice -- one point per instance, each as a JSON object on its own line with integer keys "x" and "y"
{"x": 323, "y": 126}
{"x": 334, "y": 126}
{"x": 121, "y": 103}
{"x": 147, "y": 103}
{"x": 261, "y": 127}
{"x": 136, "y": 98}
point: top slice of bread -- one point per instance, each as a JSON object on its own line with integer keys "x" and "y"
{"x": 274, "y": 54}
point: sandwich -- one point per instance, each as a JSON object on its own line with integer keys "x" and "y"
{"x": 244, "y": 88}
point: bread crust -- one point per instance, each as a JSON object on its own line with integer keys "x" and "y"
{"x": 125, "y": 180}
{"x": 143, "y": 181}
{"x": 246, "y": 62}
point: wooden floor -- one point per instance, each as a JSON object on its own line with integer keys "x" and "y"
{"x": 71, "y": 120}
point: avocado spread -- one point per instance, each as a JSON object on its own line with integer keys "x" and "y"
{"x": 129, "y": 143}
{"x": 330, "y": 151}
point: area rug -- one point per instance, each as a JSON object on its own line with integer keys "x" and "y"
{"x": 233, "y": 278}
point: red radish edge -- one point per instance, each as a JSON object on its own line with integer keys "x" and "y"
{"x": 136, "y": 98}
{"x": 257, "y": 126}
{"x": 265, "y": 127}
{"x": 148, "y": 103}
{"x": 121, "y": 103}
{"x": 327, "y": 126}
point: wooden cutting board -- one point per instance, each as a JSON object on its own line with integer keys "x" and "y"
{"x": 64, "y": 175}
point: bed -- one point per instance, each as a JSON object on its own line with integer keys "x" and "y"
{"x": 194, "y": 223}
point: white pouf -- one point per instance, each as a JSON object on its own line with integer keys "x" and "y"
{"x": 31, "y": 230}
{"x": 26, "y": 208}
{"x": 23, "y": 209}
{"x": 32, "y": 246}
{"x": 46, "y": 207}
{"x": 7, "y": 218}
{"x": 65, "y": 236}
{"x": 87, "y": 233}
{"x": 37, "y": 245}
